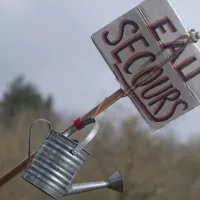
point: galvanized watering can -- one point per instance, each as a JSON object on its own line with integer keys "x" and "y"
{"x": 55, "y": 164}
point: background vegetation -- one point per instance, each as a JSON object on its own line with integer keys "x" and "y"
{"x": 153, "y": 168}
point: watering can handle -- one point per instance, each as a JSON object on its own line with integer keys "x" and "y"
{"x": 88, "y": 139}
{"x": 30, "y": 133}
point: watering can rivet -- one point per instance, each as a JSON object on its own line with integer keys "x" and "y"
{"x": 75, "y": 152}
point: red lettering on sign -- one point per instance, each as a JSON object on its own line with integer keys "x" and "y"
{"x": 160, "y": 25}
{"x": 136, "y": 57}
{"x": 161, "y": 100}
{"x": 156, "y": 93}
{"x": 128, "y": 43}
{"x": 153, "y": 85}
{"x": 122, "y": 26}
{"x": 187, "y": 62}
{"x": 160, "y": 96}
{"x": 173, "y": 47}
{"x": 144, "y": 74}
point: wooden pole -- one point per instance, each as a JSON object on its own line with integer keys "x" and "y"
{"x": 107, "y": 102}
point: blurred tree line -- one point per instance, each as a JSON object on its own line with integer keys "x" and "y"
{"x": 153, "y": 168}
{"x": 22, "y": 96}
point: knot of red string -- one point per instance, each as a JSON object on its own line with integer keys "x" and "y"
{"x": 79, "y": 124}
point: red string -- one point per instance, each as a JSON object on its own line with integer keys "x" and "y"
{"x": 79, "y": 124}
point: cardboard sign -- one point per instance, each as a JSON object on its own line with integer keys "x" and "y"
{"x": 135, "y": 44}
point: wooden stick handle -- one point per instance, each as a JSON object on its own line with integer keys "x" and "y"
{"x": 107, "y": 102}
{"x": 13, "y": 172}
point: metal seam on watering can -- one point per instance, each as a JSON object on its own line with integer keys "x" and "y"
{"x": 62, "y": 143}
{"x": 62, "y": 152}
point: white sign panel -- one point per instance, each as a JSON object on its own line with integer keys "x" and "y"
{"x": 135, "y": 44}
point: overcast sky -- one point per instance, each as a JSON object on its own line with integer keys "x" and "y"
{"x": 49, "y": 42}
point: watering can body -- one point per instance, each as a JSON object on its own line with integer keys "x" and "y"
{"x": 54, "y": 166}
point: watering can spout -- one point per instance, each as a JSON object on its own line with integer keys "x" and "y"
{"x": 54, "y": 166}
{"x": 114, "y": 182}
